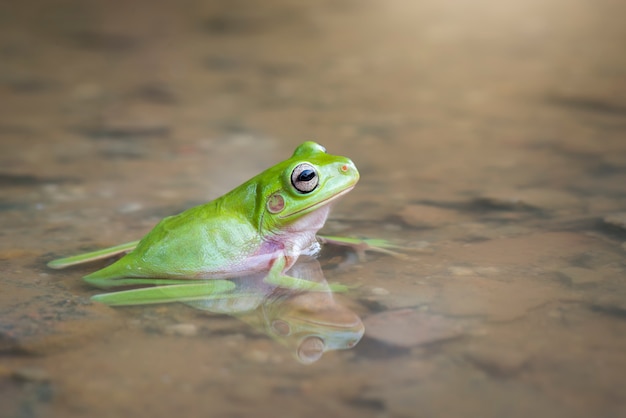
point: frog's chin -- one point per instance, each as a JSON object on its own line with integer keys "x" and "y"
{"x": 317, "y": 205}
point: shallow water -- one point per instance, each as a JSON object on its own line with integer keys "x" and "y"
{"x": 490, "y": 135}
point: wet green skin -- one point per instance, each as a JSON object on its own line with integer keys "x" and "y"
{"x": 261, "y": 226}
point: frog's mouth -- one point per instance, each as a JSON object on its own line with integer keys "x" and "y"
{"x": 318, "y": 204}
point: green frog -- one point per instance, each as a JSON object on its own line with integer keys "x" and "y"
{"x": 262, "y": 226}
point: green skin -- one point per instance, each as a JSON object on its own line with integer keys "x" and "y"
{"x": 264, "y": 225}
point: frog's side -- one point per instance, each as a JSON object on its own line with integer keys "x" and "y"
{"x": 262, "y": 225}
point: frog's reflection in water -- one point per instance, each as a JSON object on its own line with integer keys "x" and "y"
{"x": 307, "y": 323}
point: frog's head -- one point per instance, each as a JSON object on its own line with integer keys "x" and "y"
{"x": 305, "y": 183}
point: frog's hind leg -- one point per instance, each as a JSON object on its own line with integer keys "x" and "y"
{"x": 108, "y": 282}
{"x": 187, "y": 292}
{"x": 74, "y": 260}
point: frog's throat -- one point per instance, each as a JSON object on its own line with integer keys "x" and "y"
{"x": 318, "y": 204}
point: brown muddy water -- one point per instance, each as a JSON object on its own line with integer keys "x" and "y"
{"x": 491, "y": 135}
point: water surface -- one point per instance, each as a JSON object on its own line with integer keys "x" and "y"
{"x": 490, "y": 135}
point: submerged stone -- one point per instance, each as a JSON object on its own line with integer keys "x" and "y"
{"x": 410, "y": 328}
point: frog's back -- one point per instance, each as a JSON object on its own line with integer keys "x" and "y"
{"x": 197, "y": 243}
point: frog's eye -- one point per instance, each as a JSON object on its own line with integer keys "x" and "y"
{"x": 304, "y": 178}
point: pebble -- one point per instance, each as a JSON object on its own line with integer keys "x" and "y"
{"x": 497, "y": 300}
{"x": 577, "y": 276}
{"x": 461, "y": 271}
{"x": 182, "y": 330}
{"x": 497, "y": 361}
{"x": 614, "y": 302}
{"x": 616, "y": 219}
{"x": 130, "y": 207}
{"x": 410, "y": 328}
{"x": 379, "y": 291}
{"x": 31, "y": 374}
{"x": 473, "y": 271}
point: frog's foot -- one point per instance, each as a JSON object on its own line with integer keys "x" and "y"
{"x": 361, "y": 245}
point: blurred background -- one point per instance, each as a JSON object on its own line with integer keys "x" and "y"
{"x": 489, "y": 134}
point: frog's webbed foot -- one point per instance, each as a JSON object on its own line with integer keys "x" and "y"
{"x": 362, "y": 245}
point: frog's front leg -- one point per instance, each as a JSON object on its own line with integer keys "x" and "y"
{"x": 276, "y": 277}
{"x": 361, "y": 245}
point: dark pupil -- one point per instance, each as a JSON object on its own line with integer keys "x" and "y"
{"x": 306, "y": 175}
